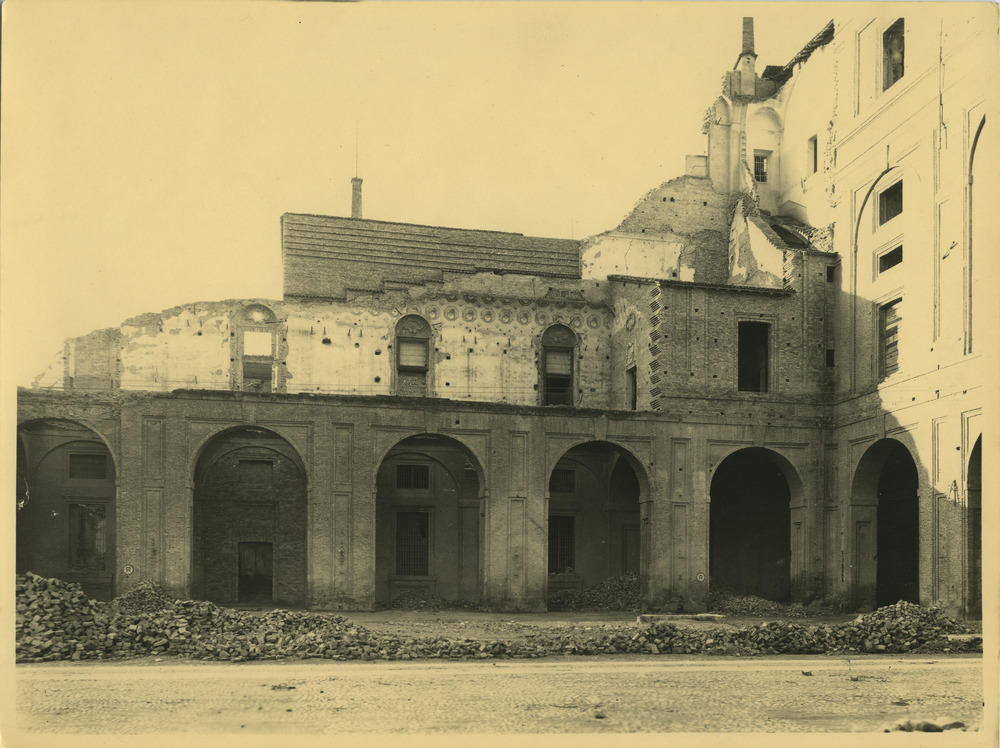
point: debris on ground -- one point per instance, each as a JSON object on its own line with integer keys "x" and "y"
{"x": 926, "y": 725}
{"x": 420, "y": 600}
{"x": 722, "y": 599}
{"x": 56, "y": 621}
{"x": 614, "y": 593}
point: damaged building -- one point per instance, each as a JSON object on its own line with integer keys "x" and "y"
{"x": 769, "y": 376}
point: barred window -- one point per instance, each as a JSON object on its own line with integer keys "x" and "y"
{"x": 88, "y": 466}
{"x": 760, "y": 167}
{"x": 412, "y": 543}
{"x": 413, "y": 477}
{"x": 563, "y": 480}
{"x": 87, "y": 536}
{"x": 561, "y": 544}
{"x": 890, "y": 321}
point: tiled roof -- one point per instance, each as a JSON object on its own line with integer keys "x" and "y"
{"x": 373, "y": 252}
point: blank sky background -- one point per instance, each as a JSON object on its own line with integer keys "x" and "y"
{"x": 149, "y": 149}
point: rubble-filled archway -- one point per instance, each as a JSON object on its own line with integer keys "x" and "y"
{"x": 66, "y": 491}
{"x": 428, "y": 529}
{"x": 974, "y": 533}
{"x": 750, "y": 524}
{"x": 594, "y": 518}
{"x": 249, "y": 520}
{"x": 886, "y": 479}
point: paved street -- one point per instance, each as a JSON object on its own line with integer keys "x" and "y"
{"x": 558, "y": 695}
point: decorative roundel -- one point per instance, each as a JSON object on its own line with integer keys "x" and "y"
{"x": 607, "y": 322}
{"x": 393, "y": 312}
{"x": 525, "y": 302}
{"x": 450, "y": 313}
{"x": 375, "y": 312}
{"x": 433, "y": 312}
{"x": 541, "y": 318}
{"x": 576, "y": 322}
{"x": 469, "y": 298}
{"x": 593, "y": 321}
{"x": 488, "y": 298}
{"x": 558, "y": 318}
{"x": 506, "y": 300}
{"x": 524, "y": 317}
{"x": 259, "y": 314}
{"x": 506, "y": 315}
{"x": 630, "y": 321}
{"x": 451, "y": 296}
{"x": 469, "y": 314}
{"x": 487, "y": 315}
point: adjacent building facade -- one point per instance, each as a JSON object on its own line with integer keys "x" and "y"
{"x": 769, "y": 376}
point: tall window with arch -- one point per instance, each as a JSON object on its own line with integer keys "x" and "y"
{"x": 256, "y": 337}
{"x": 413, "y": 360}
{"x": 558, "y": 345}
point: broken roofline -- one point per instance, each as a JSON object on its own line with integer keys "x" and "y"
{"x": 695, "y": 284}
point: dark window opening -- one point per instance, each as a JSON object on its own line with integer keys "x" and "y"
{"x": 558, "y": 376}
{"x": 829, "y": 358}
{"x": 257, "y": 473}
{"x": 890, "y": 259}
{"x": 813, "y": 154}
{"x": 256, "y": 572}
{"x": 414, "y": 477}
{"x": 890, "y": 203}
{"x": 88, "y": 467}
{"x": 561, "y": 544}
{"x": 890, "y": 321}
{"x": 257, "y": 376}
{"x": 789, "y": 237}
{"x": 633, "y": 388}
{"x": 753, "y": 356}
{"x": 412, "y": 543}
{"x": 892, "y": 54}
{"x": 563, "y": 480}
{"x": 412, "y": 355}
{"x": 88, "y": 527}
{"x": 760, "y": 167}
{"x": 831, "y": 274}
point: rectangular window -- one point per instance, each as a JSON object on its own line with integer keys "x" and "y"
{"x": 413, "y": 477}
{"x": 890, "y": 259}
{"x": 632, "y": 386}
{"x": 829, "y": 358}
{"x": 257, "y": 343}
{"x": 412, "y": 355}
{"x": 813, "y": 162}
{"x": 558, "y": 383}
{"x": 257, "y": 473}
{"x": 562, "y": 481}
{"x": 87, "y": 536}
{"x": 561, "y": 544}
{"x": 412, "y": 544}
{"x": 890, "y": 203}
{"x": 760, "y": 167}
{"x": 88, "y": 467}
{"x": 753, "y": 353}
{"x": 892, "y": 54}
{"x": 890, "y": 320}
{"x": 831, "y": 273}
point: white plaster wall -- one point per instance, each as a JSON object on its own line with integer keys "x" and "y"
{"x": 638, "y": 255}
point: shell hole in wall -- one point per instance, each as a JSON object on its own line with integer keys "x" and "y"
{"x": 378, "y": 379}
{"x": 327, "y": 341}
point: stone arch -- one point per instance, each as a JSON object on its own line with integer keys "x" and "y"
{"x": 66, "y": 527}
{"x": 595, "y": 491}
{"x": 752, "y": 494}
{"x": 885, "y": 526}
{"x": 249, "y": 519}
{"x": 974, "y": 532}
{"x": 429, "y": 499}
{"x": 981, "y": 219}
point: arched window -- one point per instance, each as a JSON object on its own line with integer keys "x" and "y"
{"x": 413, "y": 335}
{"x": 558, "y": 343}
{"x": 256, "y": 333}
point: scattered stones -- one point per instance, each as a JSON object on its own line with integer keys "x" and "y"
{"x": 926, "y": 725}
{"x": 614, "y": 593}
{"x": 56, "y": 621}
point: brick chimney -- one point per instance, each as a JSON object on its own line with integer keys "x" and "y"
{"x": 748, "y": 36}
{"x": 356, "y": 197}
{"x": 748, "y": 58}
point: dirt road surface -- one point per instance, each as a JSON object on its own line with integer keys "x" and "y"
{"x": 621, "y": 694}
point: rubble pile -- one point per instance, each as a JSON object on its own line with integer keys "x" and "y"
{"x": 56, "y": 621}
{"x": 722, "y": 599}
{"x": 419, "y": 600}
{"x": 614, "y": 593}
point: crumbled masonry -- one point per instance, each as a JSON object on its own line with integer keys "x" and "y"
{"x": 56, "y": 621}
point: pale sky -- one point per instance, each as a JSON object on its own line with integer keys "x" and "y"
{"x": 149, "y": 149}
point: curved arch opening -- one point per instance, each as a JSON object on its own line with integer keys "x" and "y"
{"x": 974, "y": 532}
{"x": 886, "y": 526}
{"x": 249, "y": 520}
{"x": 750, "y": 524}
{"x": 594, "y": 527}
{"x": 428, "y": 530}
{"x": 66, "y": 494}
